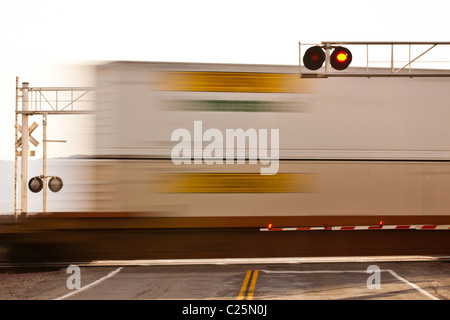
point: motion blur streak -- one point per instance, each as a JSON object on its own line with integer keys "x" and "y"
{"x": 351, "y": 152}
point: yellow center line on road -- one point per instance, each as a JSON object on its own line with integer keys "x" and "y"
{"x": 253, "y": 275}
{"x": 244, "y": 285}
{"x": 252, "y": 286}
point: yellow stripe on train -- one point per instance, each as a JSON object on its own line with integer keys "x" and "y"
{"x": 234, "y": 82}
{"x": 237, "y": 183}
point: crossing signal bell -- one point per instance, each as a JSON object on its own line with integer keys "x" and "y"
{"x": 315, "y": 56}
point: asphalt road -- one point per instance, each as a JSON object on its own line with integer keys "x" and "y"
{"x": 223, "y": 280}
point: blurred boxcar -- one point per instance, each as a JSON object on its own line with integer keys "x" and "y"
{"x": 351, "y": 150}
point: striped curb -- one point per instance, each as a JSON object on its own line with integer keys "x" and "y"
{"x": 379, "y": 227}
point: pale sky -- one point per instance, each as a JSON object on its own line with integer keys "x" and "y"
{"x": 42, "y": 41}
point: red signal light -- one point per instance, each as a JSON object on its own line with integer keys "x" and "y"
{"x": 315, "y": 57}
{"x": 341, "y": 58}
{"x": 269, "y": 226}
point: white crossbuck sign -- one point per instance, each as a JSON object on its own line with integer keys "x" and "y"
{"x": 30, "y": 131}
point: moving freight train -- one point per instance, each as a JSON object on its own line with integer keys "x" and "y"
{"x": 224, "y": 145}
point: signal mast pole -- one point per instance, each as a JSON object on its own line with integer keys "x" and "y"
{"x": 24, "y": 152}
{"x": 44, "y": 162}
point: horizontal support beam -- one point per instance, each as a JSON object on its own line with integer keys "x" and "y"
{"x": 60, "y": 89}
{"x": 371, "y": 75}
{"x": 408, "y": 75}
{"x": 386, "y": 42}
{"x": 31, "y": 113}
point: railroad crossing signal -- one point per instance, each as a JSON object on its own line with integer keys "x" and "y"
{"x": 315, "y": 57}
{"x": 29, "y": 102}
{"x": 36, "y": 184}
{"x": 331, "y": 58}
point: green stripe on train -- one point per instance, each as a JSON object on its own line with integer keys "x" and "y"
{"x": 235, "y": 106}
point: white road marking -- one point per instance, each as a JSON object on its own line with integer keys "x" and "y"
{"x": 315, "y": 271}
{"x": 358, "y": 271}
{"x": 429, "y": 295}
{"x": 111, "y": 274}
{"x": 226, "y": 261}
